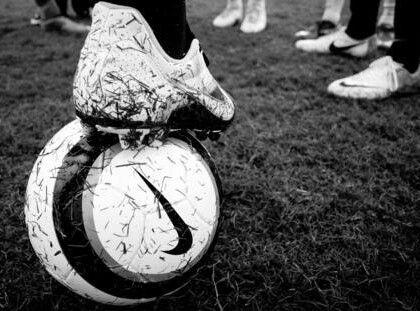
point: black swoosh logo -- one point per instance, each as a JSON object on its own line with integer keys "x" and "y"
{"x": 184, "y": 232}
{"x": 343, "y": 83}
{"x": 339, "y": 50}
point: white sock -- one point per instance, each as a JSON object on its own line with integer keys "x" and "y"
{"x": 332, "y": 11}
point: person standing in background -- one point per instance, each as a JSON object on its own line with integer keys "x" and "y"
{"x": 253, "y": 16}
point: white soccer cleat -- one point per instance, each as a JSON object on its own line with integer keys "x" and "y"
{"x": 232, "y": 14}
{"x": 381, "y": 79}
{"x": 125, "y": 80}
{"x": 338, "y": 43}
{"x": 255, "y": 17}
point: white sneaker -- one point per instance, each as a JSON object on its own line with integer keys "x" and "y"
{"x": 255, "y": 17}
{"x": 381, "y": 79}
{"x": 232, "y": 14}
{"x": 338, "y": 43}
{"x": 64, "y": 23}
{"x": 125, "y": 80}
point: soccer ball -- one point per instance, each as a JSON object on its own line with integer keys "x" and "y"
{"x": 122, "y": 226}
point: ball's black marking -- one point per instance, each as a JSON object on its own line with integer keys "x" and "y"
{"x": 182, "y": 229}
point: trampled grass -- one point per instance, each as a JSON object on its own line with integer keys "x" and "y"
{"x": 321, "y": 207}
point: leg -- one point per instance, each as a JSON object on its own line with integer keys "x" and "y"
{"x": 332, "y": 11}
{"x": 406, "y": 48}
{"x": 255, "y": 19}
{"x": 168, "y": 21}
{"x": 362, "y": 23}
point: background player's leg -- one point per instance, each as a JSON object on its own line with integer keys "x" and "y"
{"x": 362, "y": 23}
{"x": 332, "y": 10}
{"x": 406, "y": 48}
{"x": 168, "y": 21}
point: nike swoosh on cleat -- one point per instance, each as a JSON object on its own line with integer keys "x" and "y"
{"x": 358, "y": 85}
{"x": 182, "y": 229}
{"x": 340, "y": 50}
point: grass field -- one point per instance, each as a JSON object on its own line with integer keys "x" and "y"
{"x": 321, "y": 207}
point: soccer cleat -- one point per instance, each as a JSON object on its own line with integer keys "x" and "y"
{"x": 381, "y": 79}
{"x": 125, "y": 80}
{"x": 338, "y": 43}
{"x": 232, "y": 14}
{"x": 386, "y": 36}
{"x": 255, "y": 17}
{"x": 317, "y": 30}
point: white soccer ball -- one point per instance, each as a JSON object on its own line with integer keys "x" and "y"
{"x": 122, "y": 226}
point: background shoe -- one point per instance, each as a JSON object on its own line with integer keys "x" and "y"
{"x": 126, "y": 80}
{"x": 64, "y": 17}
{"x": 381, "y": 79}
{"x": 338, "y": 43}
{"x": 64, "y": 23}
{"x": 232, "y": 14}
{"x": 317, "y": 30}
{"x": 386, "y": 36}
{"x": 36, "y": 20}
{"x": 255, "y": 17}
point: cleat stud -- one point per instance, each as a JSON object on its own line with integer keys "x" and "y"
{"x": 201, "y": 135}
{"x": 214, "y": 136}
